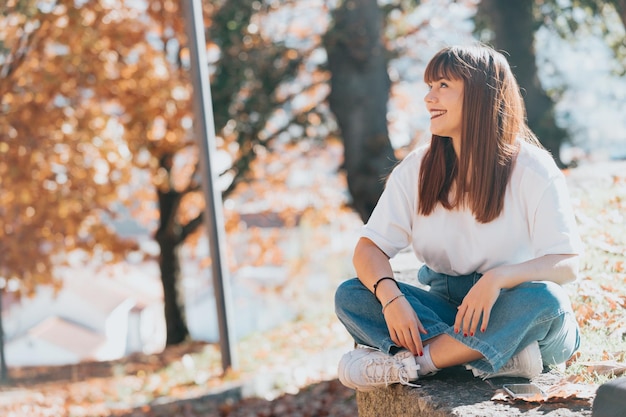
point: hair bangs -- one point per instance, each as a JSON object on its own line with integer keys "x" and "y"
{"x": 446, "y": 64}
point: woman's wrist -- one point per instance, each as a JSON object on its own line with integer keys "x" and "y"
{"x": 391, "y": 300}
{"x": 383, "y": 281}
{"x": 501, "y": 276}
{"x": 386, "y": 291}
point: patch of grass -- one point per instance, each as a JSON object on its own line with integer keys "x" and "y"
{"x": 599, "y": 296}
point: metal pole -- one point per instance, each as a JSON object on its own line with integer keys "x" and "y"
{"x": 205, "y": 132}
{"x": 4, "y": 371}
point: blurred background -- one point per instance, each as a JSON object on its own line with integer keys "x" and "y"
{"x": 103, "y": 252}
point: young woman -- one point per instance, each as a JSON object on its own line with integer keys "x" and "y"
{"x": 487, "y": 211}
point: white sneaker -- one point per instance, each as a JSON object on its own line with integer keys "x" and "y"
{"x": 525, "y": 364}
{"x": 365, "y": 369}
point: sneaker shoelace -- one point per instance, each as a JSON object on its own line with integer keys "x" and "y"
{"x": 387, "y": 370}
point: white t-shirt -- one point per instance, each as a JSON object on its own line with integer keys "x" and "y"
{"x": 537, "y": 219}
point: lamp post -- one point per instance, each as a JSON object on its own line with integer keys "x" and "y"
{"x": 205, "y": 134}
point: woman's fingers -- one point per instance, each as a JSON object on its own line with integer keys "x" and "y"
{"x": 473, "y": 324}
{"x": 467, "y": 321}
{"x": 394, "y": 336}
{"x": 417, "y": 340}
{"x": 412, "y": 341}
{"x": 458, "y": 320}
{"x": 477, "y": 304}
{"x": 408, "y": 339}
{"x": 486, "y": 316}
{"x": 404, "y": 326}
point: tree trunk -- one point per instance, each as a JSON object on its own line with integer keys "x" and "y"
{"x": 514, "y": 28}
{"x": 620, "y": 7}
{"x": 169, "y": 264}
{"x": 360, "y": 86}
{"x": 169, "y": 237}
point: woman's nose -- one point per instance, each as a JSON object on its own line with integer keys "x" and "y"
{"x": 429, "y": 97}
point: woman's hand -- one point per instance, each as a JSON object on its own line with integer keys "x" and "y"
{"x": 404, "y": 326}
{"x": 480, "y": 299}
{"x": 477, "y": 303}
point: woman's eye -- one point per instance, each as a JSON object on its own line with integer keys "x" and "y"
{"x": 440, "y": 84}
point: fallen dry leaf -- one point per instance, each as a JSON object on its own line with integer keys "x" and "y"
{"x": 566, "y": 390}
{"x": 502, "y": 395}
{"x": 562, "y": 391}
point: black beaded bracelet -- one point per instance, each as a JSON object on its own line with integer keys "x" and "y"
{"x": 382, "y": 279}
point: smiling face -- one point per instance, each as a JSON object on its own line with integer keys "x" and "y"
{"x": 444, "y": 102}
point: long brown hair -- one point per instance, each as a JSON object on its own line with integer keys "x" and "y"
{"x": 494, "y": 116}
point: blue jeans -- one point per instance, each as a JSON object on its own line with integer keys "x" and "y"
{"x": 533, "y": 311}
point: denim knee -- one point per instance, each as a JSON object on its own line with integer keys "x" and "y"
{"x": 344, "y": 295}
{"x": 547, "y": 295}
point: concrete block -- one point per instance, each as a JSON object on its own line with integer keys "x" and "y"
{"x": 456, "y": 392}
{"x": 610, "y": 399}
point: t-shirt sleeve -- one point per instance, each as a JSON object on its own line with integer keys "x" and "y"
{"x": 390, "y": 224}
{"x": 554, "y": 229}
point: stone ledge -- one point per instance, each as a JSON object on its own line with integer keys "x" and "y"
{"x": 455, "y": 392}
